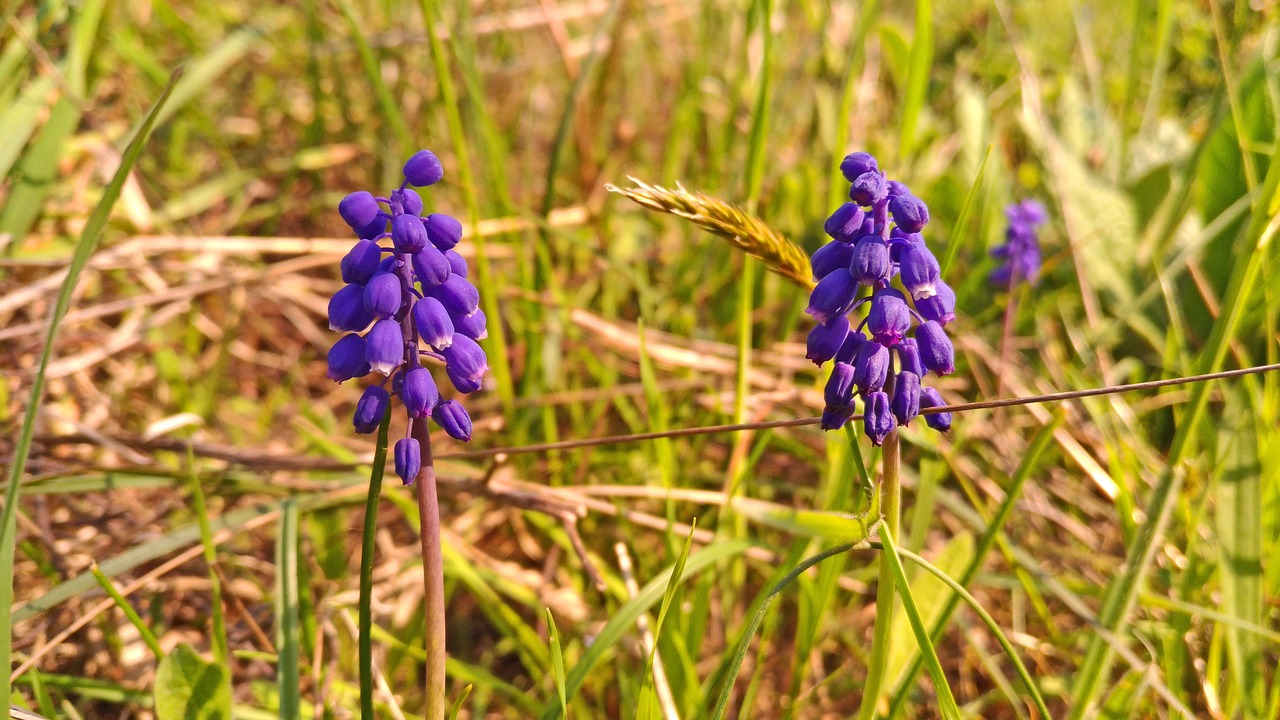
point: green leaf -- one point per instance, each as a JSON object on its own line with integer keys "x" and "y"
{"x": 807, "y": 523}
{"x": 932, "y": 600}
{"x": 189, "y": 687}
{"x": 287, "y": 633}
{"x": 557, "y": 663}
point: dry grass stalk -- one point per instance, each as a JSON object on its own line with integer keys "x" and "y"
{"x": 745, "y": 231}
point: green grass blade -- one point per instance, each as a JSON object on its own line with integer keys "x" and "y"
{"x": 962, "y": 220}
{"x": 17, "y": 466}
{"x": 921, "y": 63}
{"x": 391, "y": 109}
{"x": 288, "y": 677}
{"x": 672, "y": 586}
{"x": 366, "y": 567}
{"x": 557, "y": 664}
{"x": 144, "y": 631}
{"x": 946, "y": 702}
{"x": 627, "y": 615}
{"x": 201, "y": 510}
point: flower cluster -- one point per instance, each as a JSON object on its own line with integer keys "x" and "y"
{"x": 1021, "y": 251}
{"x": 866, "y": 250}
{"x": 417, "y": 295}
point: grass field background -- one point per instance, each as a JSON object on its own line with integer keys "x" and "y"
{"x": 1124, "y": 545}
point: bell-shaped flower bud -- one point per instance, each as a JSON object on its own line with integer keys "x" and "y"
{"x": 871, "y": 367}
{"x": 408, "y": 233}
{"x": 457, "y": 263}
{"x": 384, "y": 346}
{"x": 920, "y": 270}
{"x": 370, "y": 409}
{"x": 909, "y": 212}
{"x": 411, "y": 201}
{"x": 434, "y": 325}
{"x": 408, "y": 453}
{"x": 941, "y": 308}
{"x": 361, "y": 262}
{"x": 877, "y": 418}
{"x": 423, "y": 169}
{"x": 852, "y": 344}
{"x": 896, "y": 188}
{"x": 868, "y": 188}
{"x": 464, "y": 384}
{"x": 457, "y": 295}
{"x": 929, "y": 398}
{"x": 833, "y": 296}
{"x": 870, "y": 264}
{"x": 373, "y": 230}
{"x": 419, "y": 393}
{"x": 474, "y": 326}
{"x": 831, "y": 257}
{"x": 826, "y": 340}
{"x": 905, "y": 402}
{"x": 453, "y": 419}
{"x": 834, "y": 418}
{"x": 936, "y": 351}
{"x": 444, "y": 231}
{"x": 347, "y": 310}
{"x": 382, "y": 296}
{"x": 856, "y": 164}
{"x": 359, "y": 209}
{"x": 346, "y": 359}
{"x": 909, "y": 357}
{"x": 431, "y": 267}
{"x": 889, "y": 318}
{"x": 845, "y": 223}
{"x": 839, "y": 389}
{"x": 465, "y": 359}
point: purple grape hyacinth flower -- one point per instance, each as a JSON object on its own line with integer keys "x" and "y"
{"x": 879, "y": 234}
{"x": 1021, "y": 250}
{"x": 414, "y": 303}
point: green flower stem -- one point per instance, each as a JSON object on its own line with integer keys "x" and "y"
{"x": 890, "y": 509}
{"x": 432, "y": 576}
{"x": 366, "y": 568}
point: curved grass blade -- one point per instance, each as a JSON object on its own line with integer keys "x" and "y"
{"x": 970, "y": 199}
{"x": 144, "y": 631}
{"x": 557, "y": 663}
{"x": 366, "y": 568}
{"x": 84, "y": 248}
{"x": 627, "y": 615}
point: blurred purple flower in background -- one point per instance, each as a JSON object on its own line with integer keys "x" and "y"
{"x": 875, "y": 239}
{"x": 413, "y": 304}
{"x": 1021, "y": 250}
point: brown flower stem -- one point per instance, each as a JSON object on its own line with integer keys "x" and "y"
{"x": 432, "y": 576}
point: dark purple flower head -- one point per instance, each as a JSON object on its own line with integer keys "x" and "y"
{"x": 886, "y": 355}
{"x": 417, "y": 295}
{"x": 929, "y": 398}
{"x": 1021, "y": 249}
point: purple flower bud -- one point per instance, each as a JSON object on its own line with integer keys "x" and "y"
{"x": 849, "y": 350}
{"x": 920, "y": 271}
{"x": 871, "y": 367}
{"x": 870, "y": 264}
{"x": 419, "y": 393}
{"x": 868, "y": 227}
{"x": 906, "y": 397}
{"x": 465, "y": 385}
{"x": 929, "y": 398}
{"x": 457, "y": 295}
{"x": 389, "y": 264}
{"x": 453, "y": 419}
{"x": 382, "y": 295}
{"x": 936, "y": 351}
{"x": 877, "y": 419}
{"x": 831, "y": 257}
{"x": 444, "y": 231}
{"x": 896, "y": 188}
{"x": 411, "y": 201}
{"x": 359, "y": 209}
{"x": 889, "y": 318}
{"x": 941, "y": 308}
{"x": 408, "y": 454}
{"x": 384, "y": 346}
{"x": 431, "y": 267}
{"x": 909, "y": 357}
{"x": 826, "y": 340}
{"x": 347, "y": 310}
{"x": 845, "y": 223}
{"x": 361, "y": 262}
{"x": 465, "y": 359}
{"x": 423, "y": 169}
{"x": 855, "y": 164}
{"x": 909, "y": 212}
{"x": 474, "y": 326}
{"x": 370, "y": 409}
{"x": 839, "y": 389}
{"x": 1027, "y": 212}
{"x": 373, "y": 230}
{"x": 868, "y": 188}
{"x": 457, "y": 263}
{"x": 435, "y": 327}
{"x": 834, "y": 418}
{"x": 346, "y": 359}
{"x": 833, "y": 296}
{"x": 408, "y": 233}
